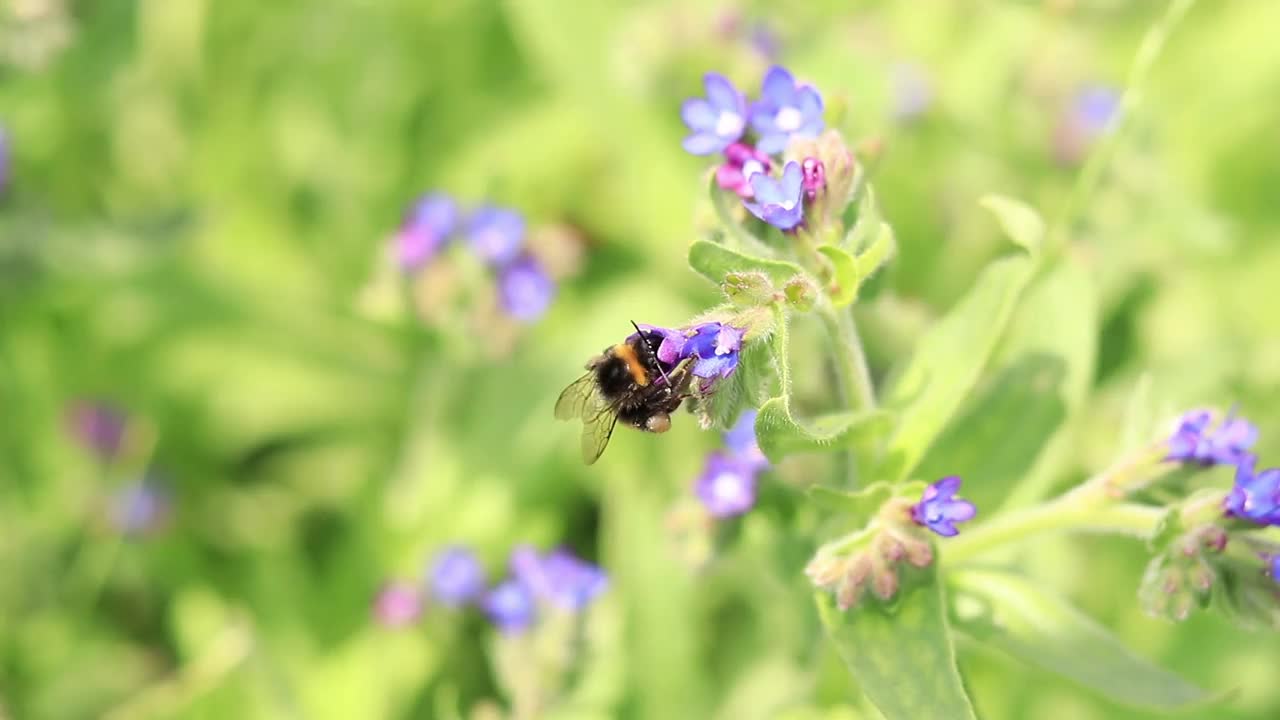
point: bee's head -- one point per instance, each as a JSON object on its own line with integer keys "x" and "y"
{"x": 658, "y": 423}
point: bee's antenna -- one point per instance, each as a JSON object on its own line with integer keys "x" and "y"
{"x": 648, "y": 341}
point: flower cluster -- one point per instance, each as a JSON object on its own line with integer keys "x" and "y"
{"x": 713, "y": 346}
{"x": 747, "y": 134}
{"x": 495, "y": 235}
{"x": 1202, "y": 439}
{"x": 456, "y": 579}
{"x": 727, "y": 485}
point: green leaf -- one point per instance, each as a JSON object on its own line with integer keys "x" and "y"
{"x": 901, "y": 654}
{"x": 948, "y": 361}
{"x": 715, "y": 262}
{"x": 1022, "y": 224}
{"x": 843, "y": 288}
{"x": 1018, "y": 617}
{"x": 859, "y": 505}
{"x": 881, "y": 250}
{"x": 780, "y": 434}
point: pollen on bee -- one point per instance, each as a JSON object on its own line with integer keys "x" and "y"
{"x": 658, "y": 423}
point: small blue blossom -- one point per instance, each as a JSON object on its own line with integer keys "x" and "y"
{"x": 716, "y": 346}
{"x": 727, "y": 486}
{"x": 1255, "y": 496}
{"x": 1093, "y": 108}
{"x": 139, "y": 508}
{"x": 456, "y": 578}
{"x": 939, "y": 509}
{"x": 716, "y": 121}
{"x": 740, "y": 442}
{"x": 496, "y": 234}
{"x": 525, "y": 290}
{"x": 425, "y": 230}
{"x": 741, "y": 162}
{"x": 397, "y": 604}
{"x": 510, "y": 606}
{"x": 779, "y": 201}
{"x": 786, "y": 109}
{"x": 559, "y": 578}
{"x": 1226, "y": 444}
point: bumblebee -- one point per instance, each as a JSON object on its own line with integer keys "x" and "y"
{"x": 625, "y": 382}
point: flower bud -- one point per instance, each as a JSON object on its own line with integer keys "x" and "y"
{"x": 800, "y": 293}
{"x": 746, "y": 289}
{"x": 885, "y": 583}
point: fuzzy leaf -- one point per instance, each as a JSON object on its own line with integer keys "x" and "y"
{"x": 948, "y": 361}
{"x": 1245, "y": 595}
{"x": 1022, "y": 224}
{"x": 843, "y": 287}
{"x": 747, "y": 387}
{"x": 780, "y": 434}
{"x": 714, "y": 262}
{"x": 1020, "y": 618}
{"x": 901, "y": 654}
{"x": 859, "y": 505}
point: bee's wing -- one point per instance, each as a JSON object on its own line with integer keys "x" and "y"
{"x": 582, "y": 399}
{"x": 579, "y": 399}
{"x": 597, "y": 428}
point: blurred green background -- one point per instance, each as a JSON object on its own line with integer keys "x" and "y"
{"x": 194, "y": 230}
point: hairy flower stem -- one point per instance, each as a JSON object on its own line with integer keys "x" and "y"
{"x": 852, "y": 375}
{"x": 1073, "y": 511}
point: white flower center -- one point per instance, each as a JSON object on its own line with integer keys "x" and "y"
{"x": 729, "y": 123}
{"x": 788, "y": 119}
{"x": 751, "y": 167}
{"x": 788, "y": 204}
{"x": 726, "y": 487}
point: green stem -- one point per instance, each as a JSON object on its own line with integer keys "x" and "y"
{"x": 852, "y": 374}
{"x": 1073, "y": 511}
{"x": 1091, "y": 175}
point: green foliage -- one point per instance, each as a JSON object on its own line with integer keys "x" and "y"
{"x": 900, "y": 654}
{"x": 1018, "y": 617}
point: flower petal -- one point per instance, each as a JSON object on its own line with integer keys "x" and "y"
{"x": 703, "y": 143}
{"x": 947, "y": 486}
{"x": 779, "y": 86}
{"x": 698, "y": 114}
{"x": 792, "y": 181}
{"x": 771, "y": 142}
{"x": 722, "y": 94}
{"x": 716, "y": 366}
{"x": 959, "y": 510}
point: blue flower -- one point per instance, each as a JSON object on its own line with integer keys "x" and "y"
{"x": 510, "y": 606}
{"x": 525, "y": 290}
{"x": 397, "y": 604}
{"x": 425, "y": 229}
{"x": 1093, "y": 108}
{"x": 559, "y": 578}
{"x": 939, "y": 510}
{"x": 727, "y": 486}
{"x": 717, "y": 121}
{"x": 780, "y": 201}
{"x": 1255, "y": 496}
{"x": 1226, "y": 444}
{"x": 140, "y": 507}
{"x": 785, "y": 110}
{"x": 496, "y": 234}
{"x": 740, "y": 442}
{"x": 457, "y": 577}
{"x": 715, "y": 347}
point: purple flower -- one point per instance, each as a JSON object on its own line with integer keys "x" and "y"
{"x": 397, "y": 604}
{"x": 939, "y": 510}
{"x": 510, "y": 606}
{"x": 815, "y": 177}
{"x": 670, "y": 343}
{"x": 741, "y": 162}
{"x": 425, "y": 229}
{"x": 558, "y": 577}
{"x": 716, "y": 346}
{"x": 1093, "y": 108}
{"x": 779, "y": 202}
{"x": 740, "y": 442}
{"x": 1255, "y": 496}
{"x": 457, "y": 577}
{"x": 1226, "y": 444}
{"x": 716, "y": 121}
{"x": 727, "y": 486}
{"x": 1273, "y": 566}
{"x": 785, "y": 110}
{"x": 98, "y": 427}
{"x": 524, "y": 289}
{"x": 496, "y": 234}
{"x": 139, "y": 508}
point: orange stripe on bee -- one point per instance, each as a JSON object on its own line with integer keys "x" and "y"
{"x": 628, "y": 355}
